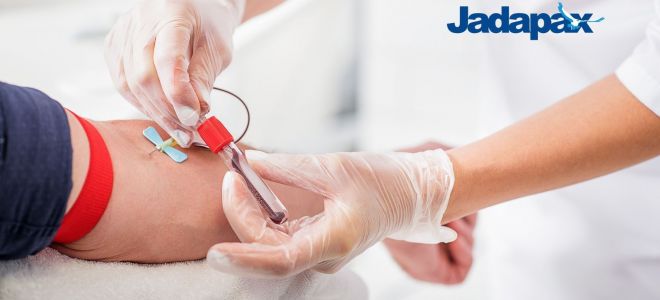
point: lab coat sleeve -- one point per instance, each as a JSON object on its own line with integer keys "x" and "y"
{"x": 640, "y": 72}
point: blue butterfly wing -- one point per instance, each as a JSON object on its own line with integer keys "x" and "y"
{"x": 152, "y": 135}
{"x": 175, "y": 154}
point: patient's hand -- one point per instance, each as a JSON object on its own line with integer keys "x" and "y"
{"x": 161, "y": 211}
{"x": 438, "y": 263}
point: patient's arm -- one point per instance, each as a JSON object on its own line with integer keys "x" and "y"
{"x": 160, "y": 211}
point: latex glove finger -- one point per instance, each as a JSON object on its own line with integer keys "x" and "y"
{"x": 299, "y": 253}
{"x": 152, "y": 92}
{"x": 245, "y": 216}
{"x": 146, "y": 80}
{"x": 122, "y": 86}
{"x": 267, "y": 249}
{"x": 136, "y": 80}
{"x": 116, "y": 65}
{"x": 182, "y": 135}
{"x": 304, "y": 171}
{"x": 205, "y": 66}
{"x": 172, "y": 58}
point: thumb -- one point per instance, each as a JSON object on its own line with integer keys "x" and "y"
{"x": 172, "y": 58}
{"x": 244, "y": 214}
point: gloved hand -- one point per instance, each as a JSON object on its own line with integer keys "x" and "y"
{"x": 164, "y": 56}
{"x": 367, "y": 197}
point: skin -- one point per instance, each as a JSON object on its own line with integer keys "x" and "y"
{"x": 576, "y": 139}
{"x": 159, "y": 211}
{"x": 438, "y": 263}
{"x": 254, "y": 8}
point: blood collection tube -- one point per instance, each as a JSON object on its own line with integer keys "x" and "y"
{"x": 221, "y": 142}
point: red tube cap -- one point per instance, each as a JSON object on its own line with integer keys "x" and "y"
{"x": 214, "y": 134}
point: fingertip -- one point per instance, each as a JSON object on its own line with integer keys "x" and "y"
{"x": 202, "y": 91}
{"x": 257, "y": 160}
{"x": 227, "y": 180}
{"x": 234, "y": 188}
{"x": 186, "y": 114}
{"x": 255, "y": 155}
{"x": 183, "y": 138}
{"x": 446, "y": 234}
{"x": 229, "y": 184}
{"x": 218, "y": 260}
{"x": 249, "y": 260}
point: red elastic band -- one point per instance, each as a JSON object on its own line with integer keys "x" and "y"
{"x": 95, "y": 193}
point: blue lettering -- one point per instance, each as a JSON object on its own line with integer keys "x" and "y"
{"x": 583, "y": 23}
{"x": 559, "y": 24}
{"x": 521, "y": 24}
{"x": 538, "y": 26}
{"x": 533, "y": 24}
{"x": 463, "y": 21}
{"x": 480, "y": 23}
{"x": 503, "y": 18}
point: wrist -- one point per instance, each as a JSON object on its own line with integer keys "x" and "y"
{"x": 440, "y": 182}
{"x": 458, "y": 192}
{"x": 432, "y": 177}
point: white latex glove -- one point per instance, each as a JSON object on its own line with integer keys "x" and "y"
{"x": 164, "y": 56}
{"x": 367, "y": 197}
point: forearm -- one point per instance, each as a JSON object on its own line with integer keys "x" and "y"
{"x": 161, "y": 211}
{"x": 254, "y": 8}
{"x": 592, "y": 133}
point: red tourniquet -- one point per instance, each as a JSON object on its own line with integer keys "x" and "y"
{"x": 95, "y": 193}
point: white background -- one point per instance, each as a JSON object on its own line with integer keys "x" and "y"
{"x": 319, "y": 75}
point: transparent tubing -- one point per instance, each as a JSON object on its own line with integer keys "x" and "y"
{"x": 235, "y": 160}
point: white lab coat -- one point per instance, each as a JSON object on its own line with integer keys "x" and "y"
{"x": 596, "y": 240}
{"x": 599, "y": 239}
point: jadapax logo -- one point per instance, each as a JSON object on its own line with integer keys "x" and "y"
{"x": 532, "y": 24}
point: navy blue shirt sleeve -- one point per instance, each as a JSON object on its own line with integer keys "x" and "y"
{"x": 35, "y": 170}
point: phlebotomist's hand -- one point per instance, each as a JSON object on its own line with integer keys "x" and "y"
{"x": 367, "y": 197}
{"x": 164, "y": 56}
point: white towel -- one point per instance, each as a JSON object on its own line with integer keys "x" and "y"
{"x": 51, "y": 275}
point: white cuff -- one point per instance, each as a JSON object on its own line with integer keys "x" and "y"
{"x": 640, "y": 83}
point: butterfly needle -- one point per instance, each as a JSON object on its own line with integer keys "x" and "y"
{"x": 169, "y": 143}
